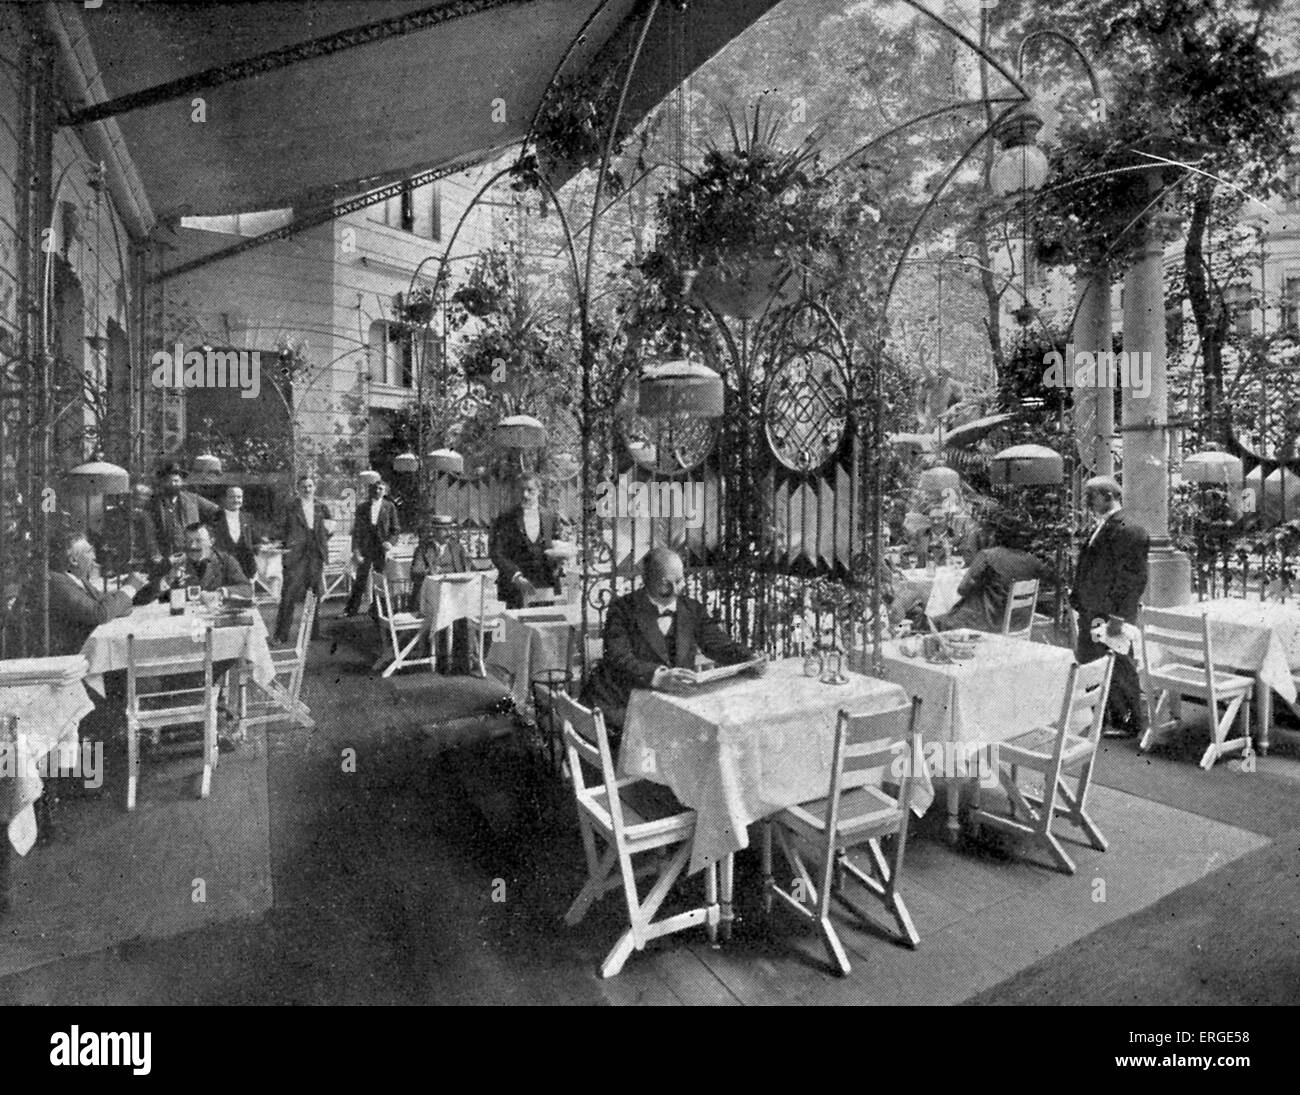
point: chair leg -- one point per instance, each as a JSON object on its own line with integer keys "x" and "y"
{"x": 209, "y": 748}
{"x": 834, "y": 948}
{"x": 132, "y": 762}
{"x": 767, "y": 867}
{"x": 593, "y": 888}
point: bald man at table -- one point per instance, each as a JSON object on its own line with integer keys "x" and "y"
{"x": 652, "y": 638}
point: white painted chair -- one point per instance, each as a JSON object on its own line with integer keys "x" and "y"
{"x": 337, "y": 575}
{"x": 1069, "y": 747}
{"x": 1022, "y": 603}
{"x": 491, "y": 614}
{"x": 405, "y": 631}
{"x": 1189, "y": 671}
{"x": 154, "y": 711}
{"x": 628, "y": 824}
{"x": 856, "y": 811}
{"x": 281, "y": 700}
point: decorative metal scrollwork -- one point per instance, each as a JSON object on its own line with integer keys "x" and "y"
{"x": 806, "y": 411}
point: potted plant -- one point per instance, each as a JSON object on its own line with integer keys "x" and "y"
{"x": 747, "y": 228}
{"x": 572, "y": 129}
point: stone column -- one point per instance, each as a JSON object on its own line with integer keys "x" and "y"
{"x": 1146, "y": 429}
{"x": 1094, "y": 408}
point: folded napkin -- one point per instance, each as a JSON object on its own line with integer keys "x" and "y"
{"x": 1123, "y": 643}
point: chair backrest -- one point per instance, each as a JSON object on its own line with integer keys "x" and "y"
{"x": 1021, "y": 598}
{"x": 1185, "y": 638}
{"x": 869, "y": 743}
{"x": 586, "y": 741}
{"x": 170, "y": 666}
{"x": 385, "y": 599}
{"x": 1083, "y": 709}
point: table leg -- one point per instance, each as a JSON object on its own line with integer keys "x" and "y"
{"x": 1263, "y": 715}
{"x": 954, "y": 810}
{"x": 711, "y": 900}
{"x": 728, "y": 871}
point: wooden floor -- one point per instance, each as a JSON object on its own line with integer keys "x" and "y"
{"x": 421, "y": 852}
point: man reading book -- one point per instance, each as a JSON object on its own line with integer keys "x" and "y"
{"x": 652, "y": 638}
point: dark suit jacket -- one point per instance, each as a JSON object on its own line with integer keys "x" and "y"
{"x": 634, "y": 648}
{"x": 427, "y": 560}
{"x": 168, "y": 529}
{"x": 219, "y": 570}
{"x": 1111, "y": 575}
{"x": 987, "y": 584}
{"x": 513, "y": 553}
{"x": 244, "y": 549}
{"x": 76, "y": 611}
{"x": 305, "y": 549}
{"x": 372, "y": 542}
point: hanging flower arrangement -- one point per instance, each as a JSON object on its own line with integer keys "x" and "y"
{"x": 572, "y": 129}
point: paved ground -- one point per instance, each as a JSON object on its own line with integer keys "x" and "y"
{"x": 420, "y": 853}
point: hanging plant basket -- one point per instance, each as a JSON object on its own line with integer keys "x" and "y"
{"x": 747, "y": 290}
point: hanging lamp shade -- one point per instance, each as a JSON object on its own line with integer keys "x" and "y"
{"x": 679, "y": 388}
{"x": 406, "y": 461}
{"x": 447, "y": 460}
{"x": 1020, "y": 164}
{"x": 520, "y": 431}
{"x": 939, "y": 478}
{"x": 98, "y": 477}
{"x": 208, "y": 463}
{"x": 1213, "y": 468}
{"x": 1027, "y": 466}
{"x": 369, "y": 477}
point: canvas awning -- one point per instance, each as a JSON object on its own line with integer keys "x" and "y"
{"x": 432, "y": 85}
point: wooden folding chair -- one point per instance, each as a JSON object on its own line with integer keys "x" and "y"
{"x": 280, "y": 699}
{"x": 1190, "y": 672}
{"x": 398, "y": 626}
{"x": 152, "y": 711}
{"x": 625, "y": 815}
{"x": 1022, "y": 603}
{"x": 1070, "y": 746}
{"x": 856, "y": 811}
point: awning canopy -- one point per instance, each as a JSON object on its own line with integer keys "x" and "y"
{"x": 351, "y": 95}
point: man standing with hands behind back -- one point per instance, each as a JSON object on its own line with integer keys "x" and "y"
{"x": 1109, "y": 581}
{"x": 374, "y": 532}
{"x": 306, "y": 536}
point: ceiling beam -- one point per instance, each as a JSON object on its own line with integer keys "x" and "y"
{"x": 324, "y": 215}
{"x": 395, "y": 27}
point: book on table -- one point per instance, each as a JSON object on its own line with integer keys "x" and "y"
{"x": 724, "y": 672}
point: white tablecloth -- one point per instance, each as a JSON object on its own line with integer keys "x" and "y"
{"x": 48, "y": 718}
{"x": 161, "y": 635}
{"x": 1260, "y": 637}
{"x": 533, "y": 640}
{"x": 1009, "y": 687}
{"x": 939, "y": 589}
{"x": 743, "y": 749}
{"x": 446, "y": 598}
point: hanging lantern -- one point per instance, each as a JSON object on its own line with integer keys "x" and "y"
{"x": 1020, "y": 165}
{"x": 1213, "y": 468}
{"x": 520, "y": 431}
{"x": 939, "y": 479}
{"x": 207, "y": 463}
{"x": 369, "y": 477}
{"x": 1027, "y": 466}
{"x": 405, "y": 462}
{"x": 679, "y": 388}
{"x": 448, "y": 461}
{"x": 98, "y": 477}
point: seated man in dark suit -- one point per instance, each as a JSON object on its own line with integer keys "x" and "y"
{"x": 77, "y": 606}
{"x": 441, "y": 552}
{"x": 209, "y": 569}
{"x": 652, "y": 638}
{"x": 1003, "y": 560}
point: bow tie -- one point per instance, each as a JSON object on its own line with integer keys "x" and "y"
{"x": 667, "y": 613}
